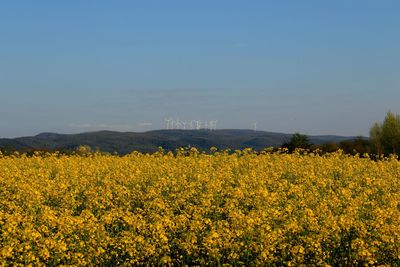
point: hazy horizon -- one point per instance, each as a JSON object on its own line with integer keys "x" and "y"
{"x": 318, "y": 68}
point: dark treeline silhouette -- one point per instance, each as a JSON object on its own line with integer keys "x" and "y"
{"x": 359, "y": 145}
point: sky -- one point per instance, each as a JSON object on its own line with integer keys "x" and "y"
{"x": 314, "y": 67}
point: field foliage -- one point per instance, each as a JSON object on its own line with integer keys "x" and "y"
{"x": 199, "y": 209}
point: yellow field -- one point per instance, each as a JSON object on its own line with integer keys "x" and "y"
{"x": 199, "y": 209}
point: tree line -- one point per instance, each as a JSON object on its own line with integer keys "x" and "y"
{"x": 359, "y": 145}
{"x": 384, "y": 139}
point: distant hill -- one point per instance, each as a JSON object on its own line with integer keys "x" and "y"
{"x": 126, "y": 142}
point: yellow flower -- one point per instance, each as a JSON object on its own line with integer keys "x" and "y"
{"x": 194, "y": 208}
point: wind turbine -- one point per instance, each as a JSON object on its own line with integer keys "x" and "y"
{"x": 255, "y": 126}
{"x": 178, "y": 124}
{"x": 198, "y": 125}
{"x": 215, "y": 125}
{"x": 168, "y": 121}
{"x": 206, "y": 125}
{"x": 191, "y": 125}
{"x": 211, "y": 125}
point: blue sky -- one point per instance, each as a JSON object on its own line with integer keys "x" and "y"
{"x": 315, "y": 67}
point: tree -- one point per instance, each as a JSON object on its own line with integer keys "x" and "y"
{"x": 297, "y": 141}
{"x": 330, "y": 147}
{"x": 391, "y": 133}
{"x": 348, "y": 147}
{"x": 375, "y": 137}
{"x": 361, "y": 145}
{"x": 386, "y": 136}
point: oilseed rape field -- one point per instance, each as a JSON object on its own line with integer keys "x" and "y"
{"x": 192, "y": 208}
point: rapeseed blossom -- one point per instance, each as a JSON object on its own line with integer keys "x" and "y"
{"x": 199, "y": 209}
